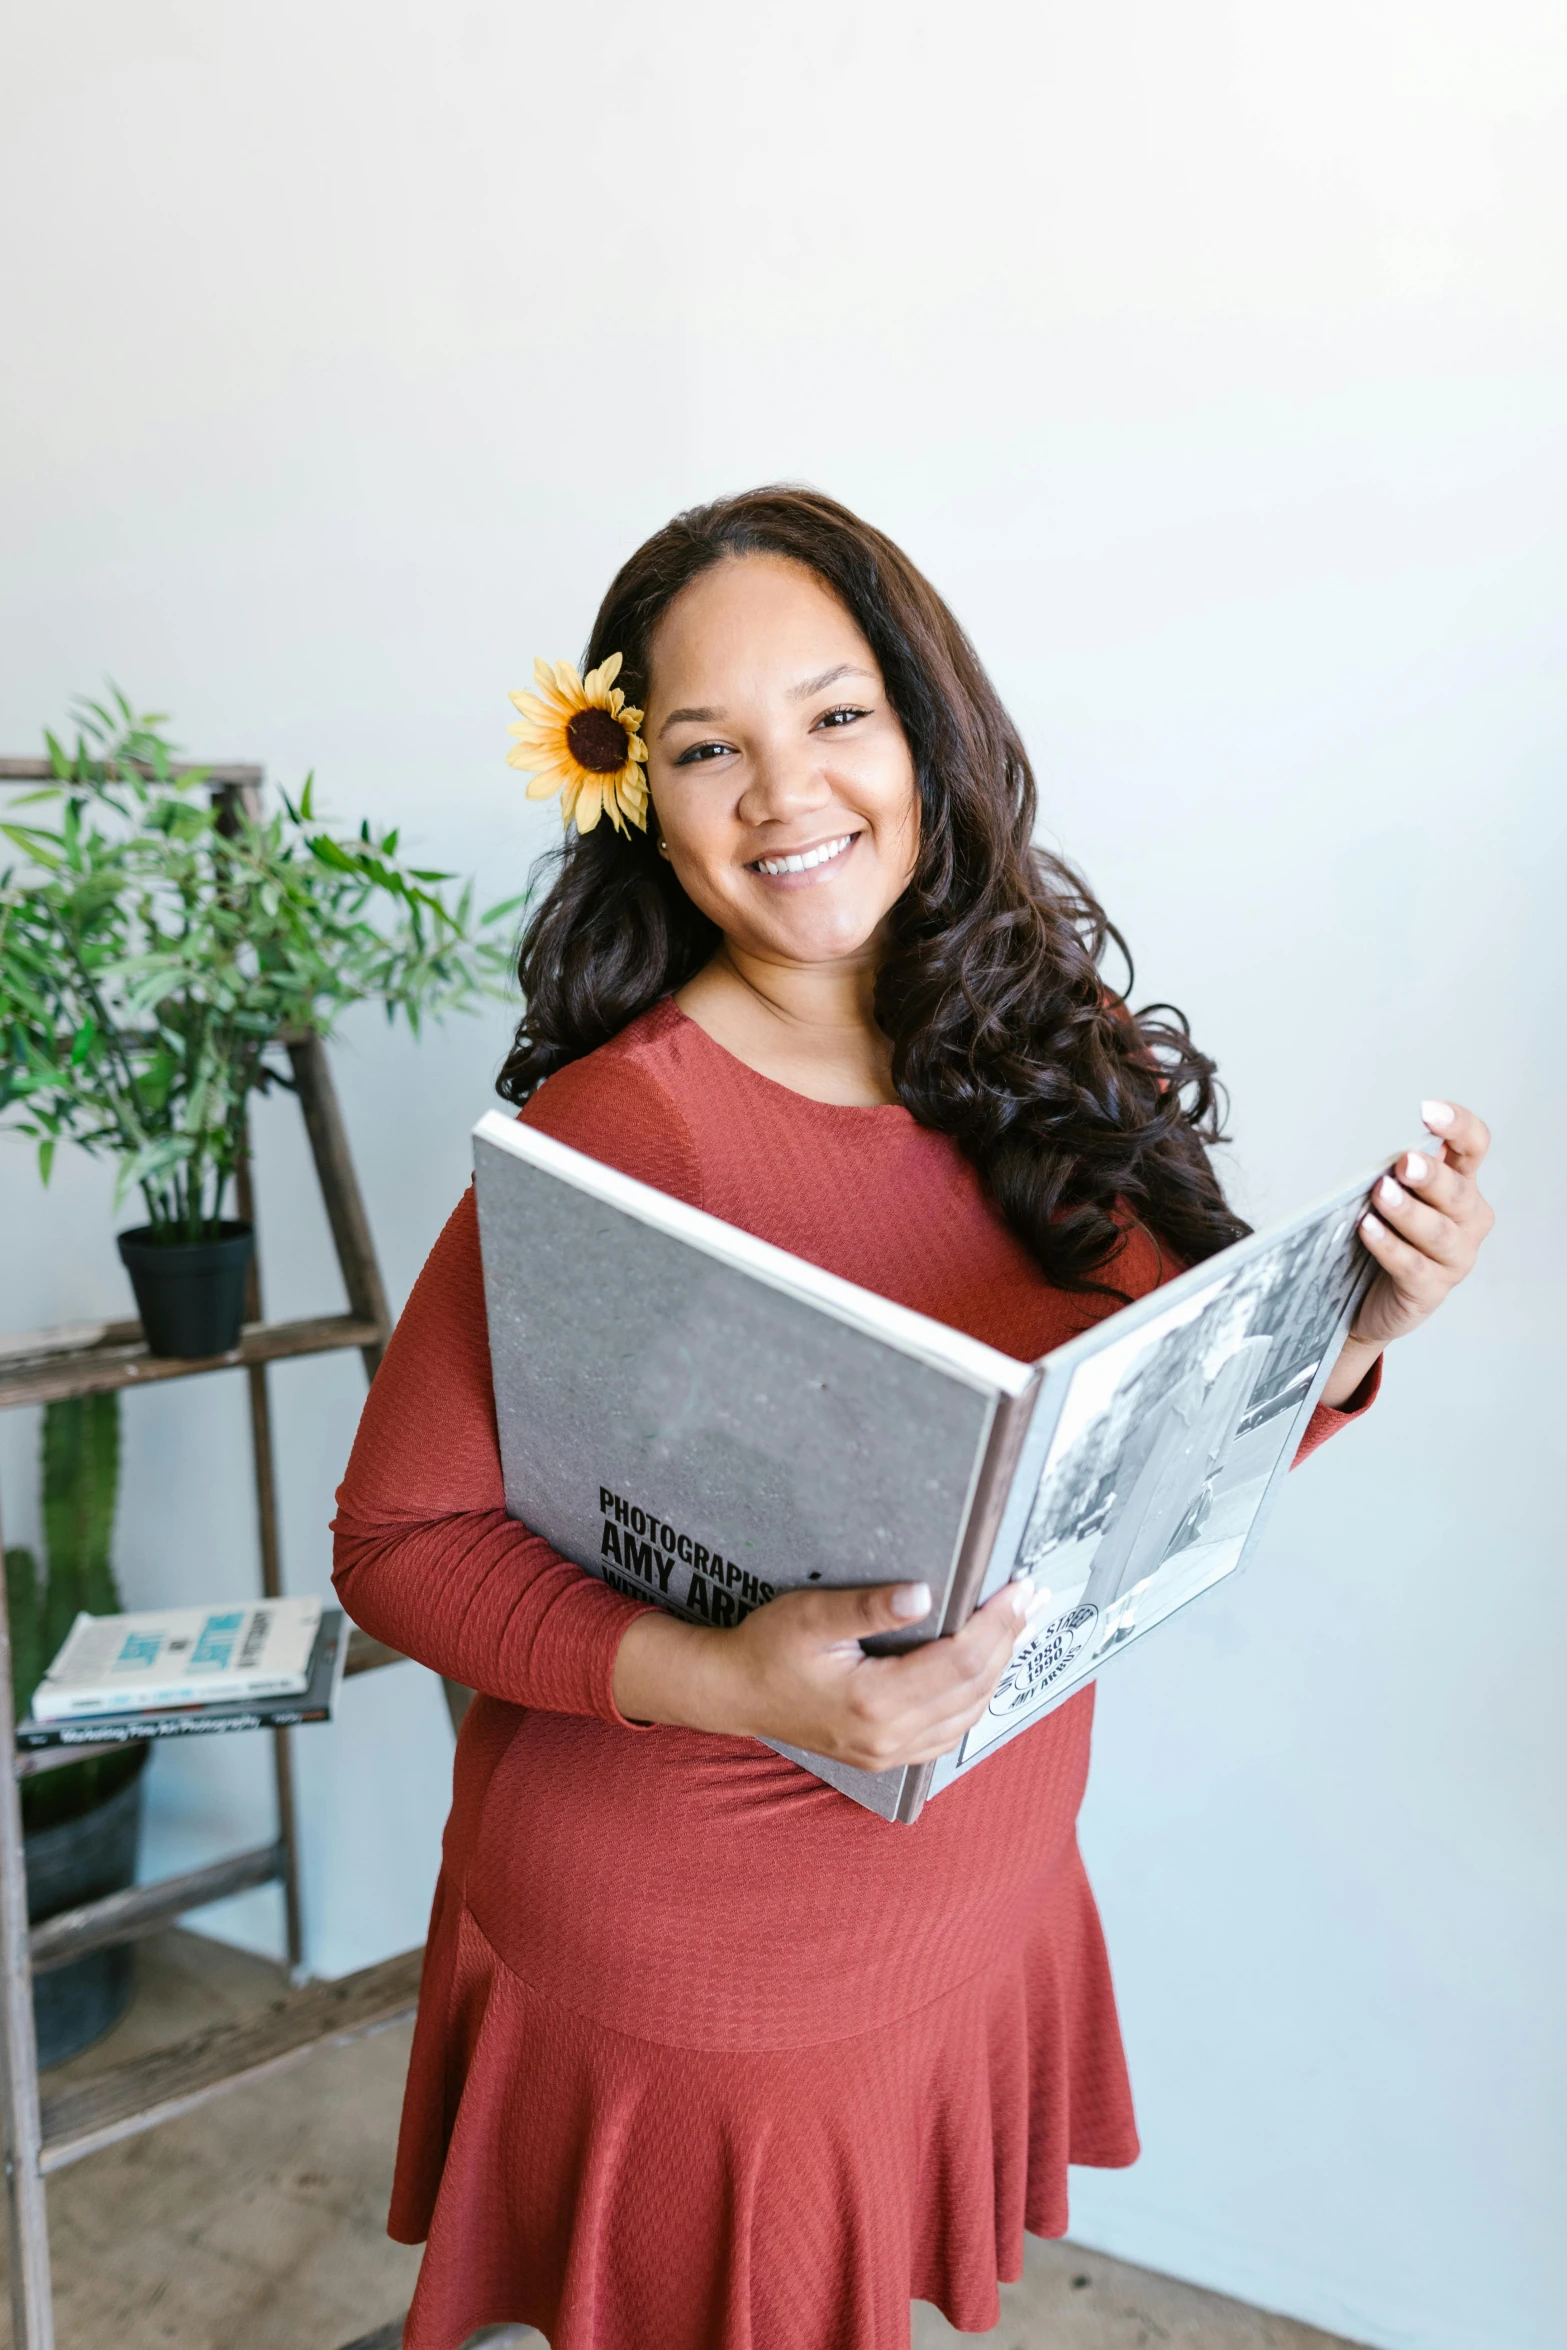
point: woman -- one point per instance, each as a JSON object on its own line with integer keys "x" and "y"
{"x": 708, "y": 2057}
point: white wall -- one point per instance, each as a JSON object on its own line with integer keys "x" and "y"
{"x": 1211, "y": 359}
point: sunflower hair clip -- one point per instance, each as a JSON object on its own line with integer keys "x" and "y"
{"x": 579, "y": 737}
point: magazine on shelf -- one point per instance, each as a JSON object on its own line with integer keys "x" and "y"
{"x": 705, "y": 1421}
{"x": 313, "y": 1703}
{"x": 179, "y": 1656}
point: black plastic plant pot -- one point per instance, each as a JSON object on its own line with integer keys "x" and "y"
{"x": 190, "y": 1293}
{"x": 81, "y": 1860}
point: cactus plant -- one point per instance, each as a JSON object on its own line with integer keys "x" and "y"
{"x": 80, "y": 1454}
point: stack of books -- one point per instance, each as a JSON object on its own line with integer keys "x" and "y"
{"x": 177, "y": 1672}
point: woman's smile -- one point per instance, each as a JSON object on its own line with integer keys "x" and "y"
{"x": 799, "y": 868}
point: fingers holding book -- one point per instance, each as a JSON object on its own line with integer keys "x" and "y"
{"x": 796, "y": 1671}
{"x": 806, "y": 1680}
{"x": 1427, "y": 1219}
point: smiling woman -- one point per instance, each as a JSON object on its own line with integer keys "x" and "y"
{"x": 708, "y": 2056}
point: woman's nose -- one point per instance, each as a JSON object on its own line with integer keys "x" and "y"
{"x": 786, "y": 780}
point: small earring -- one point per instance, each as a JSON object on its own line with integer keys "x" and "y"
{"x": 663, "y": 848}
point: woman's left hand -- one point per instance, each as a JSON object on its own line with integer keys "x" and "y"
{"x": 1424, "y": 1225}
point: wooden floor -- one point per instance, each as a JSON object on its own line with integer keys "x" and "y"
{"x": 258, "y": 2222}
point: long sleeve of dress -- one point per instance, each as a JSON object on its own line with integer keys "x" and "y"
{"x": 1328, "y": 1418}
{"x": 425, "y": 1556}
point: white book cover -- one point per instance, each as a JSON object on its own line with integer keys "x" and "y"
{"x": 179, "y": 1656}
{"x": 703, "y": 1420}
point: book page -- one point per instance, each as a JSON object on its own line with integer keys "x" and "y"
{"x": 1168, "y": 1441}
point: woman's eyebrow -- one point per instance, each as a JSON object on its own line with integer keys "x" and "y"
{"x": 689, "y": 718}
{"x": 713, "y": 716}
{"x": 814, "y": 685}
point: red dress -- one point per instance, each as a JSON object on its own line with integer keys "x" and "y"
{"x": 708, "y": 2058}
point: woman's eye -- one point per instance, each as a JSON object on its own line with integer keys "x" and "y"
{"x": 841, "y": 716}
{"x": 700, "y": 752}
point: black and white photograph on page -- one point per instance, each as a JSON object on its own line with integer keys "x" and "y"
{"x": 1166, "y": 1447}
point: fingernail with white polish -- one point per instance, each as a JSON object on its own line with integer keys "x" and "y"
{"x": 1416, "y": 1169}
{"x": 1388, "y": 1192}
{"x": 1436, "y": 1115}
{"x": 1372, "y": 1224}
{"x": 911, "y": 1600}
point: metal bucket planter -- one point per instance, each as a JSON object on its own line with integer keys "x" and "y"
{"x": 81, "y": 1860}
{"x": 190, "y": 1293}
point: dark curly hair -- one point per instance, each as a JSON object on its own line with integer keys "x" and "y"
{"x": 1080, "y": 1115}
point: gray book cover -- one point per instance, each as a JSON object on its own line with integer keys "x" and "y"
{"x": 704, "y": 1421}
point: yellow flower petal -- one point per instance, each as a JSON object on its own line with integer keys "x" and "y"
{"x": 544, "y": 787}
{"x": 609, "y": 670}
{"x": 637, "y": 748}
{"x": 629, "y": 717}
{"x": 569, "y": 683}
{"x": 544, "y": 672}
{"x": 531, "y": 707}
{"x": 590, "y": 802}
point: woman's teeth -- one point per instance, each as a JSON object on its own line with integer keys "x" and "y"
{"x": 809, "y": 857}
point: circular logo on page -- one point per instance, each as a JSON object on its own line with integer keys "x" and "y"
{"x": 1044, "y": 1660}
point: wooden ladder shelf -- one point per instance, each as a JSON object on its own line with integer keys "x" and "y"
{"x": 44, "y": 2134}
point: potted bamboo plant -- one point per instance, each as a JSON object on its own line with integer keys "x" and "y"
{"x": 158, "y": 942}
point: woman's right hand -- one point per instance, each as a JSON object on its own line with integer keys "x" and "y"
{"x": 794, "y": 1671}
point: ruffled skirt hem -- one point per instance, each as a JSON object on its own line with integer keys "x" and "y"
{"x": 616, "y": 2191}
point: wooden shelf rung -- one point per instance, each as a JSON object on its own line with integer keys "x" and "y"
{"x": 167, "y": 2082}
{"x": 42, "y": 1366}
{"x": 231, "y": 771}
{"x": 368, "y": 1656}
{"x": 143, "y": 1909}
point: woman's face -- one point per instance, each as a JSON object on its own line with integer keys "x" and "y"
{"x": 782, "y": 784}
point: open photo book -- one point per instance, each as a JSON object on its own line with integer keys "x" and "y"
{"x": 705, "y": 1421}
